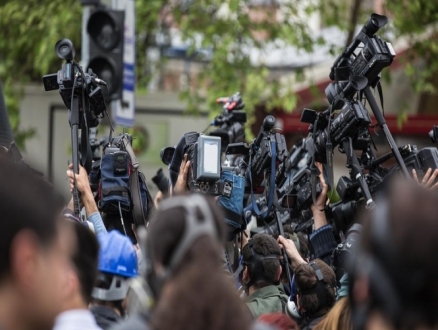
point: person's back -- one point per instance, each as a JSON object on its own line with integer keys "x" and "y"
{"x": 261, "y": 276}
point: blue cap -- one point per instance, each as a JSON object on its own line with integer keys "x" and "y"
{"x": 117, "y": 255}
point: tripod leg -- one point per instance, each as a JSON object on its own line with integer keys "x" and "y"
{"x": 357, "y": 173}
{"x": 74, "y": 124}
{"x": 382, "y": 123}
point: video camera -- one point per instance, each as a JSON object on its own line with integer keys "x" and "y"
{"x": 204, "y": 153}
{"x": 371, "y": 59}
{"x": 352, "y": 119}
{"x": 231, "y": 121}
{"x": 269, "y": 148}
{"x": 71, "y": 80}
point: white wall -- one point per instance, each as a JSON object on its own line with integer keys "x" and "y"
{"x": 35, "y": 113}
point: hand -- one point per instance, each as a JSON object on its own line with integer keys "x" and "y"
{"x": 181, "y": 182}
{"x": 291, "y": 251}
{"x": 428, "y": 179}
{"x": 158, "y": 198}
{"x": 82, "y": 183}
{"x": 322, "y": 198}
{"x": 245, "y": 237}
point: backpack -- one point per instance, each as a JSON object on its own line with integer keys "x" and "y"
{"x": 120, "y": 187}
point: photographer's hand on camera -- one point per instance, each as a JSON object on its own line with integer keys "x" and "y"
{"x": 428, "y": 179}
{"x": 291, "y": 251}
{"x": 322, "y": 238}
{"x": 87, "y": 198}
{"x": 84, "y": 188}
{"x": 318, "y": 208}
{"x": 181, "y": 182}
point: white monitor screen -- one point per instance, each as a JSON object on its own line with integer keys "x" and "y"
{"x": 211, "y": 152}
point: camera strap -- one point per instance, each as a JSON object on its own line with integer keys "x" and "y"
{"x": 255, "y": 208}
{"x": 134, "y": 182}
{"x": 314, "y": 172}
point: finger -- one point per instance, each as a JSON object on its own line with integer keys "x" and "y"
{"x": 280, "y": 239}
{"x": 186, "y": 168}
{"x": 181, "y": 167}
{"x": 414, "y": 175}
{"x": 321, "y": 172}
{"x": 70, "y": 166}
{"x": 427, "y": 175}
{"x": 435, "y": 186}
{"x": 432, "y": 178}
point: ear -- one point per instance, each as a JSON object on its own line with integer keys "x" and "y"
{"x": 280, "y": 269}
{"x": 300, "y": 308}
{"x": 25, "y": 257}
{"x": 245, "y": 276}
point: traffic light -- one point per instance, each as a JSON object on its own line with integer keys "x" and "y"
{"x": 106, "y": 30}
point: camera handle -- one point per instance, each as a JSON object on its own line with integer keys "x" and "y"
{"x": 382, "y": 123}
{"x": 356, "y": 172}
{"x": 74, "y": 125}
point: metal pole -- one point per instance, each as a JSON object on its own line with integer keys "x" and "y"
{"x": 85, "y": 46}
{"x": 382, "y": 123}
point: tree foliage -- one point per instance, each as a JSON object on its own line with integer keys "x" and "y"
{"x": 29, "y": 31}
{"x": 417, "y": 20}
{"x": 230, "y": 29}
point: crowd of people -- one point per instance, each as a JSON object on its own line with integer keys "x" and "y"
{"x": 60, "y": 272}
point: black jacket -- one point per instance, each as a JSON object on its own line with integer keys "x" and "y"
{"x": 105, "y": 316}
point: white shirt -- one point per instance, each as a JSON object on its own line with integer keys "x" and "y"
{"x": 76, "y": 319}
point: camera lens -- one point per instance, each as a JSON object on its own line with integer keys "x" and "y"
{"x": 64, "y": 50}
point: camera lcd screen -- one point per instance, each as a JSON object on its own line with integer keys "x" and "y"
{"x": 211, "y": 157}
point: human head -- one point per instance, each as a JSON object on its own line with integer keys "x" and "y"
{"x": 84, "y": 267}
{"x": 164, "y": 243}
{"x": 279, "y": 321}
{"x": 261, "y": 261}
{"x": 185, "y": 271}
{"x": 117, "y": 264}
{"x": 395, "y": 277}
{"x": 316, "y": 288}
{"x": 34, "y": 248}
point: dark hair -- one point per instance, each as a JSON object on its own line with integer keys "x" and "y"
{"x": 279, "y": 321}
{"x": 304, "y": 245}
{"x": 203, "y": 295}
{"x": 85, "y": 258}
{"x": 26, "y": 203}
{"x": 404, "y": 255}
{"x": 306, "y": 279}
{"x": 265, "y": 245}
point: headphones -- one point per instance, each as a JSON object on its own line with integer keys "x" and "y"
{"x": 320, "y": 290}
{"x": 255, "y": 262}
{"x": 195, "y": 227}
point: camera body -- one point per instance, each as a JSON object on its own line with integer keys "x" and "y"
{"x": 204, "y": 153}
{"x": 298, "y": 195}
{"x": 231, "y": 128}
{"x": 372, "y": 59}
{"x": 85, "y": 83}
{"x": 350, "y": 121}
{"x": 261, "y": 158}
